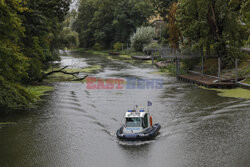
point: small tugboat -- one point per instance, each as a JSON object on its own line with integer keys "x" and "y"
{"x": 138, "y": 125}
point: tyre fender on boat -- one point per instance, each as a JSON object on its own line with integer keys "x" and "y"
{"x": 151, "y": 120}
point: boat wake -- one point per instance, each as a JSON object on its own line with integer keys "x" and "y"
{"x": 134, "y": 143}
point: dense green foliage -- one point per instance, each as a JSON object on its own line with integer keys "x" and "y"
{"x": 142, "y": 37}
{"x": 213, "y": 24}
{"x": 69, "y": 38}
{"x": 117, "y": 46}
{"x": 148, "y": 49}
{"x": 28, "y": 41}
{"x": 162, "y": 7}
{"x": 13, "y": 95}
{"x": 110, "y": 21}
{"x": 175, "y": 36}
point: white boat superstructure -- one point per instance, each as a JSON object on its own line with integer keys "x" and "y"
{"x": 137, "y": 120}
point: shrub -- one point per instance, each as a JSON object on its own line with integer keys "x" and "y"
{"x": 151, "y": 46}
{"x": 142, "y": 36}
{"x": 13, "y": 95}
{"x": 228, "y": 60}
{"x": 98, "y": 46}
{"x": 68, "y": 38}
{"x": 117, "y": 46}
{"x": 211, "y": 66}
{"x": 191, "y": 63}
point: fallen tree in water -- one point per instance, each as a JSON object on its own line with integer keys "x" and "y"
{"x": 62, "y": 70}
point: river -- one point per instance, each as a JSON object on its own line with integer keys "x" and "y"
{"x": 76, "y": 126}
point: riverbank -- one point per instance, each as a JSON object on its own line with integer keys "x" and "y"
{"x": 23, "y": 98}
{"x": 124, "y": 56}
{"x": 166, "y": 70}
{"x": 38, "y": 91}
{"x": 234, "y": 93}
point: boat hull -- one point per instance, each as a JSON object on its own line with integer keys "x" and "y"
{"x": 148, "y": 134}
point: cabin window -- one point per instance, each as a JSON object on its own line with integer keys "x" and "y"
{"x": 133, "y": 122}
{"x": 145, "y": 121}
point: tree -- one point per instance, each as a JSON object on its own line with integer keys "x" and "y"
{"x": 83, "y": 24}
{"x": 43, "y": 23}
{"x": 162, "y": 6}
{"x": 28, "y": 38}
{"x": 175, "y": 36}
{"x": 68, "y": 38}
{"x": 142, "y": 36}
{"x": 12, "y": 61}
{"x": 212, "y": 23}
{"x": 110, "y": 21}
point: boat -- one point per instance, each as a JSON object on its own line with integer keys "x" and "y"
{"x": 138, "y": 125}
{"x": 142, "y": 57}
{"x": 114, "y": 53}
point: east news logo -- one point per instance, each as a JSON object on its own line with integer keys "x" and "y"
{"x": 128, "y": 83}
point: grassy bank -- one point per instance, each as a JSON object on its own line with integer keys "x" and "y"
{"x": 234, "y": 93}
{"x": 126, "y": 56}
{"x": 15, "y": 96}
{"x": 39, "y": 91}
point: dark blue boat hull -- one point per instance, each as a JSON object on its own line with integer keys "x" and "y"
{"x": 148, "y": 134}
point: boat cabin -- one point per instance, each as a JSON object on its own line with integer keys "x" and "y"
{"x": 137, "y": 120}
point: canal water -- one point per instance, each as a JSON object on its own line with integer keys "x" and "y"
{"x": 76, "y": 126}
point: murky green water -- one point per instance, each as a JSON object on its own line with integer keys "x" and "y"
{"x": 76, "y": 127}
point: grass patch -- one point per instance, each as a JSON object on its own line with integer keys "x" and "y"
{"x": 6, "y": 123}
{"x": 235, "y": 93}
{"x": 159, "y": 72}
{"x": 95, "y": 52}
{"x": 147, "y": 62}
{"x": 39, "y": 91}
{"x": 124, "y": 56}
{"x": 77, "y": 50}
{"x": 89, "y": 69}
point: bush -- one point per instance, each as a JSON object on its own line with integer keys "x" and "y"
{"x": 151, "y": 46}
{"x": 142, "y": 36}
{"x": 98, "y": 46}
{"x": 117, "y": 46}
{"x": 13, "y": 95}
{"x": 211, "y": 66}
{"x": 191, "y": 63}
{"x": 68, "y": 38}
{"x": 228, "y": 60}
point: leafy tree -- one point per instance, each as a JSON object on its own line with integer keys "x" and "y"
{"x": 12, "y": 61}
{"x": 245, "y": 16}
{"x": 129, "y": 15}
{"x": 43, "y": 22}
{"x": 83, "y": 24}
{"x": 162, "y": 6}
{"x": 28, "y": 38}
{"x": 110, "y": 21}
{"x": 212, "y": 23}
{"x": 142, "y": 37}
{"x": 175, "y": 36}
{"x": 68, "y": 38}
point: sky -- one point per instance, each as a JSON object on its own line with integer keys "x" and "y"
{"x": 73, "y": 4}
